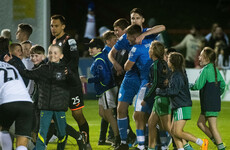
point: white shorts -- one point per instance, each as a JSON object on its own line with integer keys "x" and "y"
{"x": 108, "y": 99}
{"x": 140, "y": 96}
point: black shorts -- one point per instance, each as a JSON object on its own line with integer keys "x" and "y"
{"x": 76, "y": 98}
{"x": 21, "y": 113}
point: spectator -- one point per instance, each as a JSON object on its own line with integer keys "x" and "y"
{"x": 217, "y": 35}
{"x": 6, "y": 33}
{"x": 191, "y": 44}
{"x": 23, "y": 32}
{"x": 4, "y": 46}
{"x": 209, "y": 35}
{"x": 90, "y": 29}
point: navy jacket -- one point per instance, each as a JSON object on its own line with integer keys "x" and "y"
{"x": 178, "y": 90}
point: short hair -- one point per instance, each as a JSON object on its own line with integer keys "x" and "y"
{"x": 59, "y": 17}
{"x": 13, "y": 45}
{"x": 133, "y": 29}
{"x": 37, "y": 49}
{"x": 26, "y": 42}
{"x": 138, "y": 11}
{"x": 108, "y": 35}
{"x": 26, "y": 28}
{"x": 55, "y": 45}
{"x": 4, "y": 45}
{"x": 157, "y": 49}
{"x": 122, "y": 23}
{"x": 6, "y": 33}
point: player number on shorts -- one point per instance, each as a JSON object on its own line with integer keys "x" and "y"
{"x": 76, "y": 100}
{"x": 9, "y": 74}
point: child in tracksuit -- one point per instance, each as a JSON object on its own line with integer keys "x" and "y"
{"x": 104, "y": 84}
{"x": 181, "y": 102}
{"x": 52, "y": 79}
{"x": 211, "y": 85}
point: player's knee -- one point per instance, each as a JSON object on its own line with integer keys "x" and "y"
{"x": 137, "y": 116}
{"x": 121, "y": 112}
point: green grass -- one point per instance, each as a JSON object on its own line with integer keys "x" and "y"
{"x": 91, "y": 114}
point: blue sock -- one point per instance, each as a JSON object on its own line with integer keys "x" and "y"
{"x": 140, "y": 137}
{"x": 123, "y": 126}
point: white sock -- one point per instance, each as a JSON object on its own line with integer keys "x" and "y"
{"x": 21, "y": 148}
{"x": 141, "y": 147}
{"x": 199, "y": 141}
{"x": 181, "y": 149}
{"x": 5, "y": 140}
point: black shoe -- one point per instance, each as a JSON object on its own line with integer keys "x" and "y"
{"x": 122, "y": 147}
{"x": 110, "y": 140}
{"x": 103, "y": 142}
{"x": 81, "y": 141}
{"x": 131, "y": 138}
{"x": 117, "y": 141}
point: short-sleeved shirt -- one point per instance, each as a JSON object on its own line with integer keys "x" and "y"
{"x": 140, "y": 55}
{"x": 12, "y": 87}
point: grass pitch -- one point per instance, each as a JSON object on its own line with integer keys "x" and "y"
{"x": 91, "y": 113}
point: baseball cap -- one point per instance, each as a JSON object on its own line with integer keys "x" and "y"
{"x": 96, "y": 42}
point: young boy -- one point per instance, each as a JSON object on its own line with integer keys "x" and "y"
{"x": 103, "y": 84}
{"x": 110, "y": 40}
{"x": 26, "y": 45}
{"x": 15, "y": 49}
{"x": 37, "y": 56}
{"x": 52, "y": 79}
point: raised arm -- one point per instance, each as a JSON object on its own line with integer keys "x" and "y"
{"x": 153, "y": 30}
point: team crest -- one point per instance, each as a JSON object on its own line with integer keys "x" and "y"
{"x": 58, "y": 75}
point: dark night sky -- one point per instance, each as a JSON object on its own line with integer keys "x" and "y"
{"x": 174, "y": 14}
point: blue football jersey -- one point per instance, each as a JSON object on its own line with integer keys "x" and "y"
{"x": 140, "y": 55}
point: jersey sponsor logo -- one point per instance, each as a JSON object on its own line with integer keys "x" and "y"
{"x": 100, "y": 67}
{"x": 58, "y": 75}
{"x": 122, "y": 52}
{"x": 60, "y": 43}
{"x": 72, "y": 44}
